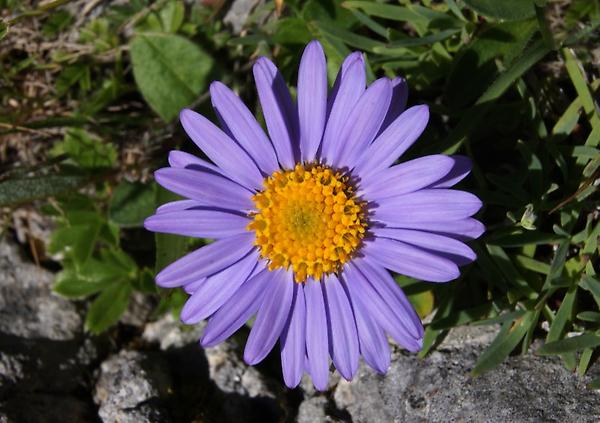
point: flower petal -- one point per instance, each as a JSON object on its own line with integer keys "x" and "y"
{"x": 312, "y": 99}
{"x": 462, "y": 167}
{"x": 271, "y": 317}
{"x": 192, "y": 287}
{"x": 411, "y": 261}
{"x": 363, "y": 122}
{"x": 464, "y": 229}
{"x": 206, "y": 188}
{"x": 205, "y": 261}
{"x": 243, "y": 127}
{"x": 278, "y": 110}
{"x": 391, "y": 310}
{"x": 349, "y": 87}
{"x": 457, "y": 251}
{"x": 427, "y": 205}
{"x": 221, "y": 149}
{"x": 406, "y": 177}
{"x": 206, "y": 223}
{"x": 373, "y": 344}
{"x": 237, "y": 310}
{"x": 293, "y": 340}
{"x": 181, "y": 159}
{"x": 217, "y": 289}
{"x": 394, "y": 141}
{"x": 398, "y": 102}
{"x": 317, "y": 345}
{"x": 178, "y": 205}
{"x": 342, "y": 328}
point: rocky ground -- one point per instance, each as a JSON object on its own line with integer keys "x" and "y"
{"x": 51, "y": 371}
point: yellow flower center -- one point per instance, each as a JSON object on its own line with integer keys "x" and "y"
{"x": 308, "y": 218}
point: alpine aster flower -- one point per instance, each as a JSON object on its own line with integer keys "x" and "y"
{"x": 308, "y": 219}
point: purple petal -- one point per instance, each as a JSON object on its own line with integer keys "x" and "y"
{"x": 271, "y": 317}
{"x": 192, "y": 287}
{"x": 389, "y": 308}
{"x": 428, "y": 205}
{"x": 198, "y": 223}
{"x": 342, "y": 328}
{"x": 411, "y": 261}
{"x": 406, "y": 177}
{"x": 363, "y": 122}
{"x": 217, "y": 289}
{"x": 464, "y": 230}
{"x": 205, "y": 188}
{"x": 373, "y": 344}
{"x": 312, "y": 99}
{"x": 462, "y": 167}
{"x": 349, "y": 60}
{"x": 221, "y": 149}
{"x": 398, "y": 103}
{"x": 460, "y": 252}
{"x": 349, "y": 87}
{"x": 237, "y": 310}
{"x": 178, "y": 206}
{"x": 293, "y": 340}
{"x": 394, "y": 141}
{"x": 181, "y": 159}
{"x": 278, "y": 110}
{"x": 317, "y": 345}
{"x": 205, "y": 261}
{"x": 243, "y": 127}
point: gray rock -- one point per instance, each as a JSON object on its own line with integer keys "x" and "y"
{"x": 439, "y": 388}
{"x": 239, "y": 12}
{"x": 313, "y": 410}
{"x": 169, "y": 333}
{"x": 28, "y": 308}
{"x": 132, "y": 387}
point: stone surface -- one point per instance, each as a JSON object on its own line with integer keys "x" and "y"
{"x": 239, "y": 12}
{"x": 439, "y": 388}
{"x": 130, "y": 387}
{"x": 28, "y": 308}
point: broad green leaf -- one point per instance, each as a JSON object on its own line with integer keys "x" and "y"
{"x": 422, "y": 302}
{"x": 594, "y": 384}
{"x": 76, "y": 241}
{"x": 90, "y": 278}
{"x": 172, "y": 16}
{"x": 169, "y": 70}
{"x": 107, "y": 308}
{"x": 575, "y": 343}
{"x": 506, "y": 10}
{"x": 17, "y": 191}
{"x": 591, "y": 284}
{"x": 131, "y": 203}
{"x": 88, "y": 150}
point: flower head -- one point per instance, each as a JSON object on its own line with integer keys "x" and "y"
{"x": 309, "y": 219}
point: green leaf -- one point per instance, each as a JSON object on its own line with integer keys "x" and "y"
{"x": 76, "y": 241}
{"x": 594, "y": 384}
{"x": 575, "y": 343}
{"x": 108, "y": 307}
{"x": 88, "y": 150}
{"x": 131, "y": 203}
{"x": 3, "y": 29}
{"x": 509, "y": 337}
{"x": 17, "y": 191}
{"x": 589, "y": 316}
{"x": 172, "y": 16}
{"x": 506, "y": 10}
{"x": 90, "y": 278}
{"x": 169, "y": 70}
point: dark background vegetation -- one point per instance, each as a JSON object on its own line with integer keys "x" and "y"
{"x": 89, "y": 97}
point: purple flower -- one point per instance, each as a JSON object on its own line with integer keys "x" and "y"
{"x": 308, "y": 219}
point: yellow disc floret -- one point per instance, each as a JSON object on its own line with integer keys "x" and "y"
{"x": 308, "y": 219}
